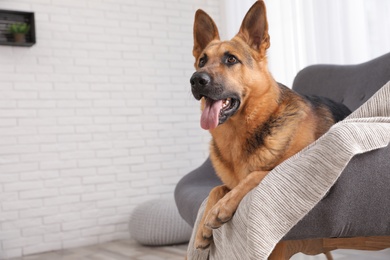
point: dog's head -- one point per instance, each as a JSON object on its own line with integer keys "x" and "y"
{"x": 228, "y": 71}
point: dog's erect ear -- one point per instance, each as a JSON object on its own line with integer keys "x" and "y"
{"x": 254, "y": 28}
{"x": 205, "y": 31}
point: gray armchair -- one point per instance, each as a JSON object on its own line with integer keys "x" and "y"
{"x": 356, "y": 205}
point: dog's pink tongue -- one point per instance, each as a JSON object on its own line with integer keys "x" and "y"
{"x": 210, "y": 115}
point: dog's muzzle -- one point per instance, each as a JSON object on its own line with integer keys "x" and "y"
{"x": 201, "y": 85}
{"x": 219, "y": 103}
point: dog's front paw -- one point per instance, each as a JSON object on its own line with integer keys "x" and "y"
{"x": 222, "y": 212}
{"x": 204, "y": 237}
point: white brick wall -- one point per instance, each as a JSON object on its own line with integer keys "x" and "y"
{"x": 96, "y": 118}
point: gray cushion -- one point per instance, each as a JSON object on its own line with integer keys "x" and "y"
{"x": 357, "y": 205}
{"x": 193, "y": 188}
{"x": 351, "y": 85}
{"x": 157, "y": 223}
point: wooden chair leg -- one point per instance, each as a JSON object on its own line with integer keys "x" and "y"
{"x": 281, "y": 252}
{"x": 328, "y": 256}
{"x": 284, "y": 250}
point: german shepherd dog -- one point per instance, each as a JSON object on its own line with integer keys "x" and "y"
{"x": 255, "y": 122}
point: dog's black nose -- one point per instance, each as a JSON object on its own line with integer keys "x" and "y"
{"x": 200, "y": 79}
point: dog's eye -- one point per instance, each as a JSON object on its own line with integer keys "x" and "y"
{"x": 230, "y": 60}
{"x": 202, "y": 61}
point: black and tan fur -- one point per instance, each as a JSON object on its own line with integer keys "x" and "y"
{"x": 264, "y": 122}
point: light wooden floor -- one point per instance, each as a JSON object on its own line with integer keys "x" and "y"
{"x": 130, "y": 250}
{"x": 117, "y": 250}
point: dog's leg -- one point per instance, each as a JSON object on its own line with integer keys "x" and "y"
{"x": 224, "y": 209}
{"x": 204, "y": 234}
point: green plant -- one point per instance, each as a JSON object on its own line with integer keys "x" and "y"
{"x": 21, "y": 28}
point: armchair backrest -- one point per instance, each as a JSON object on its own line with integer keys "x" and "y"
{"x": 351, "y": 85}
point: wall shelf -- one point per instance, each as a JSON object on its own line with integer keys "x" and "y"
{"x": 7, "y": 18}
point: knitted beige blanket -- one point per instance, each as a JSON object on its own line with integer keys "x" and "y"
{"x": 293, "y": 188}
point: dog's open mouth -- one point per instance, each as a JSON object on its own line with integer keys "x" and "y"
{"x": 217, "y": 112}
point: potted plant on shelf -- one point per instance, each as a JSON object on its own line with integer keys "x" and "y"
{"x": 19, "y": 31}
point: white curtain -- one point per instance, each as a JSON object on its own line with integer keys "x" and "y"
{"x": 305, "y": 32}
